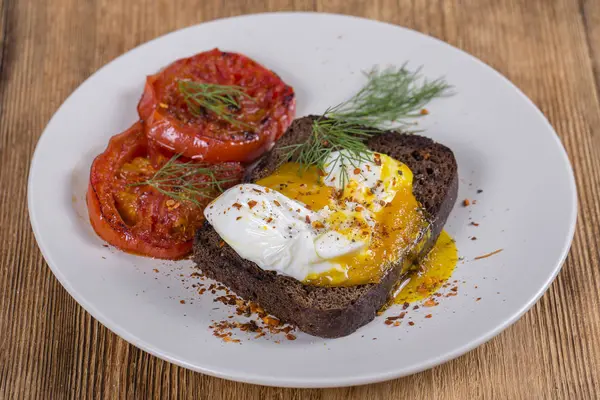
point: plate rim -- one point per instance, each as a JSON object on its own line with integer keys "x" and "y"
{"x": 351, "y": 380}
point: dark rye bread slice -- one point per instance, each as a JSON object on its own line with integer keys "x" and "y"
{"x": 333, "y": 311}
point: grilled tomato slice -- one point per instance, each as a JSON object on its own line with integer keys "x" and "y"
{"x": 216, "y": 106}
{"x": 149, "y": 210}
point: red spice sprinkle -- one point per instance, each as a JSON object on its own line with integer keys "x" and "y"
{"x": 474, "y": 224}
{"x": 430, "y": 303}
{"x": 271, "y": 321}
{"x": 466, "y": 202}
{"x": 358, "y": 209}
{"x": 411, "y": 323}
{"x": 307, "y": 219}
{"x": 400, "y": 316}
{"x": 276, "y": 203}
{"x": 477, "y": 299}
{"x": 238, "y": 218}
{"x": 252, "y": 203}
{"x": 388, "y": 322}
{"x": 489, "y": 254}
{"x": 428, "y": 316}
{"x": 424, "y": 111}
{"x": 269, "y": 220}
{"x": 356, "y": 171}
{"x": 182, "y": 301}
{"x": 473, "y": 238}
{"x": 287, "y": 329}
{"x": 237, "y": 205}
{"x": 405, "y": 306}
{"x": 268, "y": 324}
{"x": 223, "y": 329}
{"x": 397, "y": 323}
{"x": 221, "y": 243}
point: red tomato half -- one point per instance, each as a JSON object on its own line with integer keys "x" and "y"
{"x": 263, "y": 117}
{"x": 139, "y": 218}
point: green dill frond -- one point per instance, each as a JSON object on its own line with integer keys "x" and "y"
{"x": 390, "y": 98}
{"x": 221, "y": 100}
{"x": 188, "y": 181}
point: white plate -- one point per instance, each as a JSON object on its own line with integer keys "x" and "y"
{"x": 502, "y": 142}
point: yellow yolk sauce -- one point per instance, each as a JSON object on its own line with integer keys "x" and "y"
{"x": 301, "y": 185}
{"x": 431, "y": 273}
{"x": 398, "y": 224}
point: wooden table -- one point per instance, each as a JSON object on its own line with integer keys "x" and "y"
{"x": 51, "y": 348}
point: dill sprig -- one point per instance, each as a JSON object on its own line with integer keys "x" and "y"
{"x": 327, "y": 136}
{"x": 389, "y": 98}
{"x": 189, "y": 181}
{"x": 221, "y": 100}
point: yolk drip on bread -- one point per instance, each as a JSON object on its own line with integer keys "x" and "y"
{"x": 431, "y": 273}
{"x": 374, "y": 206}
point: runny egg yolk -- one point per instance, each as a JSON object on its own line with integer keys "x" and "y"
{"x": 431, "y": 273}
{"x": 384, "y": 213}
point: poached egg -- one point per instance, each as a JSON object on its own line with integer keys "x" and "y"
{"x": 339, "y": 226}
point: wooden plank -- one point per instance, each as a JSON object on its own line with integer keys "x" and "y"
{"x": 3, "y": 29}
{"x": 51, "y": 348}
{"x": 590, "y": 15}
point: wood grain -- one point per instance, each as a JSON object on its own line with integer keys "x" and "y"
{"x": 50, "y": 348}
